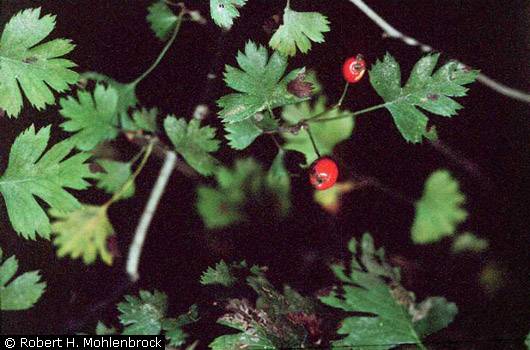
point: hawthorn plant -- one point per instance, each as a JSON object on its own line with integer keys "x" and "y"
{"x": 269, "y": 98}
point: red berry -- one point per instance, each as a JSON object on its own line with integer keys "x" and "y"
{"x": 353, "y": 69}
{"x": 323, "y": 173}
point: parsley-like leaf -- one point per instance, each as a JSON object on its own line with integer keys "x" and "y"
{"x": 36, "y": 68}
{"x": 115, "y": 175}
{"x": 126, "y": 92}
{"x": 143, "y": 316}
{"x": 299, "y": 29}
{"x": 30, "y": 174}
{"x": 161, "y": 19}
{"x": 95, "y": 119}
{"x": 326, "y": 135}
{"x": 440, "y": 209}
{"x": 259, "y": 82}
{"x": 83, "y": 233}
{"x": 397, "y": 318}
{"x": 221, "y": 274}
{"x": 22, "y": 292}
{"x": 424, "y": 89}
{"x": 242, "y": 134}
{"x": 144, "y": 120}
{"x": 224, "y": 11}
{"x": 193, "y": 142}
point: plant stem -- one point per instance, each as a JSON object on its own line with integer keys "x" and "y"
{"x": 135, "y": 250}
{"x": 346, "y": 115}
{"x": 343, "y": 95}
{"x": 162, "y": 54}
{"x": 131, "y": 179}
{"x": 313, "y": 142}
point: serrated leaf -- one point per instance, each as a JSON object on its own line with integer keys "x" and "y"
{"x": 143, "y": 315}
{"x": 326, "y": 134}
{"x": 259, "y": 82}
{"x": 246, "y": 186}
{"x": 36, "y": 68}
{"x": 242, "y": 341}
{"x": 161, "y": 19}
{"x": 173, "y": 328}
{"x": 298, "y": 30}
{"x": 224, "y": 12}
{"x": 144, "y": 119}
{"x": 115, "y": 175}
{"x": 126, "y": 92}
{"x": 22, "y": 292}
{"x": 439, "y": 211}
{"x": 424, "y": 89}
{"x": 193, "y": 142}
{"x": 32, "y": 173}
{"x": 396, "y": 319}
{"x": 221, "y": 274}
{"x": 83, "y": 233}
{"x": 94, "y": 119}
{"x": 242, "y": 134}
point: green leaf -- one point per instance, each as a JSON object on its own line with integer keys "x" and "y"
{"x": 242, "y": 341}
{"x": 326, "y": 135}
{"x": 299, "y": 29}
{"x": 439, "y": 211}
{"x": 30, "y": 174}
{"x": 396, "y": 318}
{"x": 221, "y": 274}
{"x": 83, "y": 233}
{"x": 468, "y": 242}
{"x": 279, "y": 182}
{"x": 126, "y": 92}
{"x": 101, "y": 329}
{"x": 117, "y": 173}
{"x": 161, "y": 19}
{"x": 22, "y": 292}
{"x": 94, "y": 119}
{"x": 527, "y": 341}
{"x": 258, "y": 82}
{"x": 224, "y": 11}
{"x": 144, "y": 315}
{"x": 144, "y": 120}
{"x": 193, "y": 142}
{"x": 424, "y": 89}
{"x": 173, "y": 328}
{"x": 36, "y": 68}
{"x": 242, "y": 134}
{"x": 240, "y": 190}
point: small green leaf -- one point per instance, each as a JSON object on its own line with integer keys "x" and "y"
{"x": 242, "y": 134}
{"x": 221, "y": 274}
{"x": 468, "y": 242}
{"x": 94, "y": 119}
{"x": 326, "y": 134}
{"x": 259, "y": 82}
{"x": 224, "y": 11}
{"x": 194, "y": 142}
{"x": 83, "y": 233}
{"x": 115, "y": 176}
{"x": 144, "y": 315}
{"x": 439, "y": 211}
{"x": 101, "y": 329}
{"x": 173, "y": 328}
{"x": 35, "y": 68}
{"x": 22, "y": 292}
{"x": 126, "y": 92}
{"x": 161, "y": 19}
{"x": 424, "y": 89}
{"x": 32, "y": 173}
{"x": 144, "y": 120}
{"x": 527, "y": 341}
{"x": 299, "y": 29}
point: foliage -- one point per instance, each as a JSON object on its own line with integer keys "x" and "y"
{"x": 193, "y": 142}
{"x": 439, "y": 210}
{"x": 22, "y": 292}
{"x": 467, "y": 241}
{"x": 298, "y": 30}
{"x": 83, "y": 233}
{"x": 95, "y": 119}
{"x": 242, "y": 188}
{"x": 221, "y": 274}
{"x": 36, "y": 68}
{"x": 326, "y": 134}
{"x": 224, "y": 11}
{"x": 114, "y": 177}
{"x": 395, "y": 316}
{"x": 242, "y": 134}
{"x": 259, "y": 83}
{"x": 126, "y": 92}
{"x": 331, "y": 199}
{"x": 161, "y": 19}
{"x": 30, "y": 174}
{"x": 424, "y": 89}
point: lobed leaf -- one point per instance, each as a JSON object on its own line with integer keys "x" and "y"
{"x": 161, "y": 19}
{"x": 224, "y": 12}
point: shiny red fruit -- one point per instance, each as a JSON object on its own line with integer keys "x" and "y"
{"x": 353, "y": 69}
{"x": 323, "y": 173}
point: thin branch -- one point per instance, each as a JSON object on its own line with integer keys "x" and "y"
{"x": 135, "y": 250}
{"x": 392, "y": 32}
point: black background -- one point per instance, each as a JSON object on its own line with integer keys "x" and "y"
{"x": 491, "y": 132}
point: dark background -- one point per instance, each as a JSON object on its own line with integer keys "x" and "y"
{"x": 491, "y": 133}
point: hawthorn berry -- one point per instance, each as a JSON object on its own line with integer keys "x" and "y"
{"x": 354, "y": 68}
{"x": 323, "y": 173}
